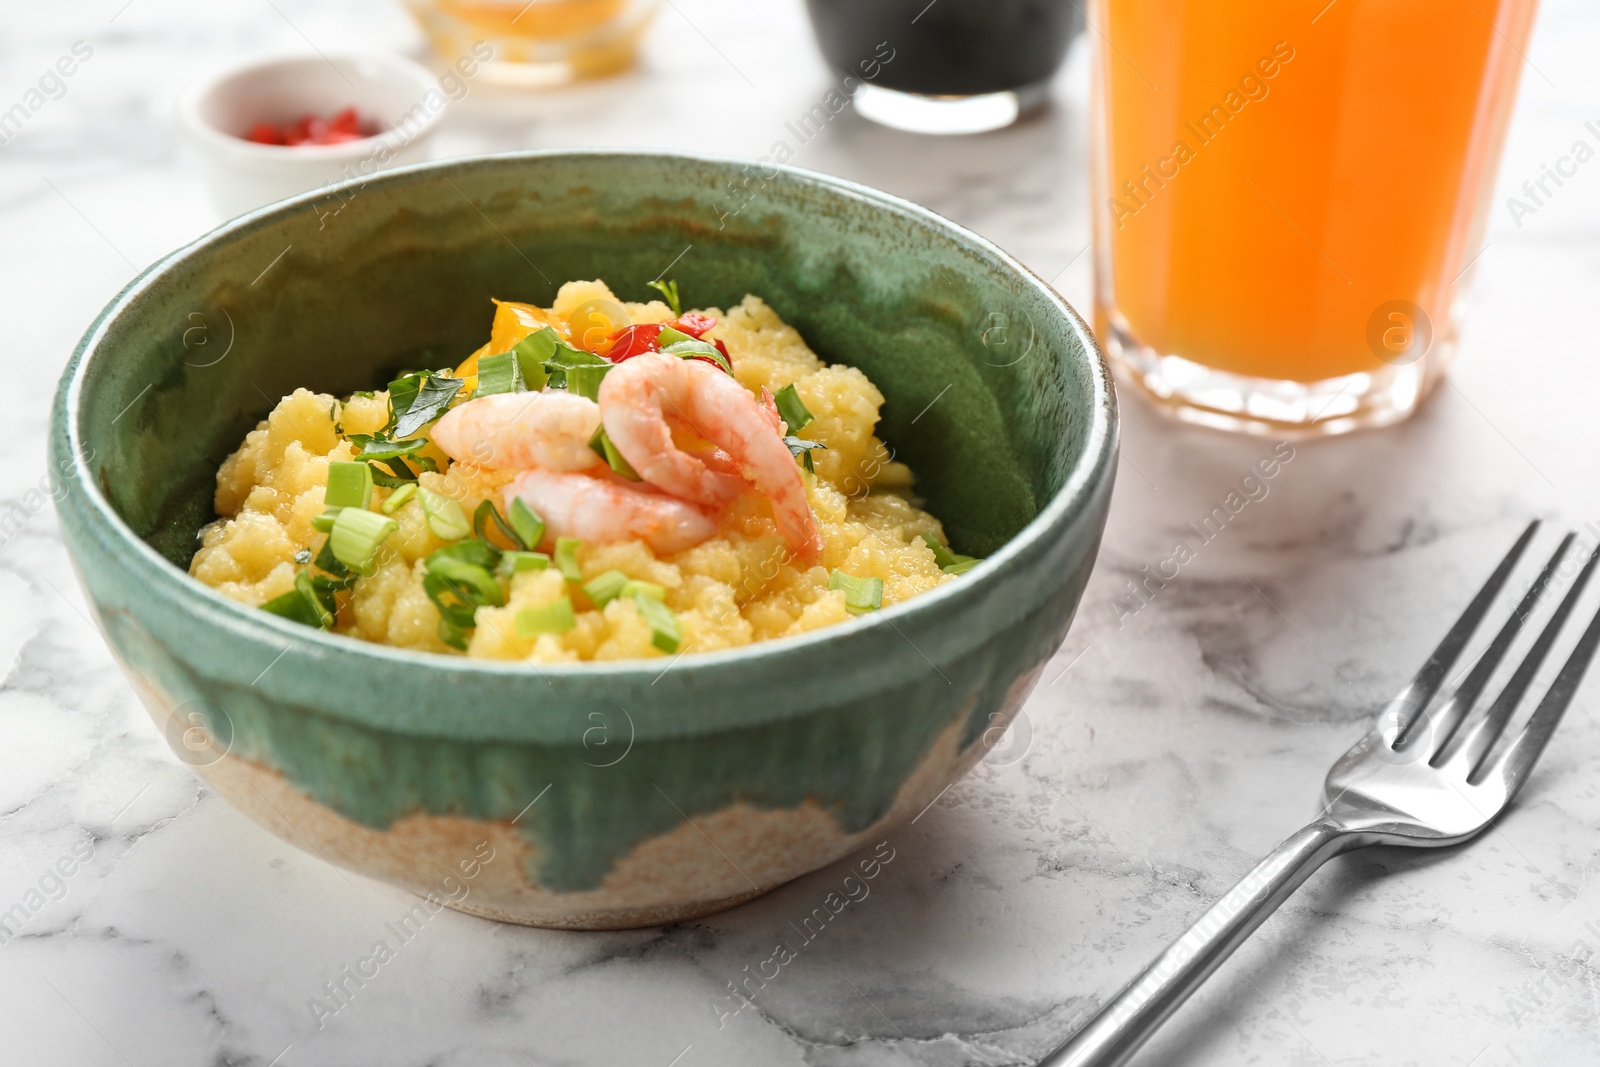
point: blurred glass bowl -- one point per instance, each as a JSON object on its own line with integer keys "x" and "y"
{"x": 538, "y": 43}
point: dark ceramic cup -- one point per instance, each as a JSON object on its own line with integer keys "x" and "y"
{"x": 946, "y": 66}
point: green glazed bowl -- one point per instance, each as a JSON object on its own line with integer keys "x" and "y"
{"x": 595, "y": 795}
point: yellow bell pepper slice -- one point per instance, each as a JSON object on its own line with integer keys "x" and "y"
{"x": 512, "y": 322}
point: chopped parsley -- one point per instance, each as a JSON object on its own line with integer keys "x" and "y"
{"x": 418, "y": 399}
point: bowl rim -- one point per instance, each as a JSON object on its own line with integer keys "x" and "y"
{"x": 1094, "y": 466}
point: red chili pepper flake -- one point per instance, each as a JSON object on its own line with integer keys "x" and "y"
{"x": 310, "y": 129}
{"x": 264, "y": 133}
{"x": 694, "y": 324}
{"x": 633, "y": 341}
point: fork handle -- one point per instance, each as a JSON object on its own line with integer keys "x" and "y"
{"x": 1126, "y": 1022}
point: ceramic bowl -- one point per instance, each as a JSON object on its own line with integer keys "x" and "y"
{"x": 216, "y": 113}
{"x": 594, "y": 795}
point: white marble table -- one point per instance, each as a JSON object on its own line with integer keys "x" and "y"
{"x": 1162, "y": 755}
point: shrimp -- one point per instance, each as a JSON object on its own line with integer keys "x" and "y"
{"x": 607, "y": 508}
{"x": 641, "y": 399}
{"x": 514, "y": 431}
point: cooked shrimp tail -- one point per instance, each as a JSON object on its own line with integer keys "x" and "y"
{"x": 606, "y": 508}
{"x": 514, "y": 431}
{"x": 640, "y": 403}
{"x": 643, "y": 399}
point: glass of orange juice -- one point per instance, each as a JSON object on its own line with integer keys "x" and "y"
{"x": 538, "y": 43}
{"x": 1289, "y": 197}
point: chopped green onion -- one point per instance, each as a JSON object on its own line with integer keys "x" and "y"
{"x": 636, "y": 588}
{"x": 669, "y": 291}
{"x": 501, "y": 373}
{"x": 356, "y": 536}
{"x": 517, "y": 562}
{"x": 796, "y": 416}
{"x": 325, "y": 587}
{"x": 532, "y": 352}
{"x": 445, "y": 517}
{"x": 693, "y": 349}
{"x": 307, "y": 586}
{"x": 942, "y": 556}
{"x": 453, "y": 635}
{"x": 458, "y": 579}
{"x": 349, "y": 485}
{"x": 527, "y": 523}
{"x": 521, "y": 367}
{"x": 690, "y": 346}
{"x": 324, "y": 522}
{"x": 486, "y": 513}
{"x": 670, "y": 336}
{"x": 665, "y": 633}
{"x": 301, "y": 604}
{"x": 398, "y": 498}
{"x": 470, "y": 581}
{"x": 478, "y": 553}
{"x": 946, "y": 560}
{"x": 602, "y": 446}
{"x": 566, "y": 558}
{"x": 585, "y": 380}
{"x": 860, "y": 594}
{"x": 567, "y": 357}
{"x": 417, "y": 399}
{"x": 553, "y": 618}
{"x": 452, "y": 602}
{"x": 605, "y": 588}
{"x": 326, "y": 562}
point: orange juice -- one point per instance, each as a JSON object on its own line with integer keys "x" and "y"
{"x": 1289, "y": 189}
{"x": 546, "y": 19}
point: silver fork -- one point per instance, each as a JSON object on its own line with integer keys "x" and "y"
{"x": 1413, "y": 779}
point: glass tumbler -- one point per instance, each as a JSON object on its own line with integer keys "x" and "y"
{"x": 1289, "y": 198}
{"x": 537, "y": 43}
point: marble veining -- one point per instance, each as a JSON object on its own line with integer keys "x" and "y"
{"x": 1171, "y": 742}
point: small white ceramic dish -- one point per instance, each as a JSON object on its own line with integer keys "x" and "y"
{"x": 216, "y": 113}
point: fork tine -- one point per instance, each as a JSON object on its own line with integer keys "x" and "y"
{"x": 1484, "y": 734}
{"x": 1461, "y": 702}
{"x": 1419, "y": 692}
{"x": 1524, "y": 752}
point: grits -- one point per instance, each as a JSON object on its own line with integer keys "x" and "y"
{"x": 741, "y": 586}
